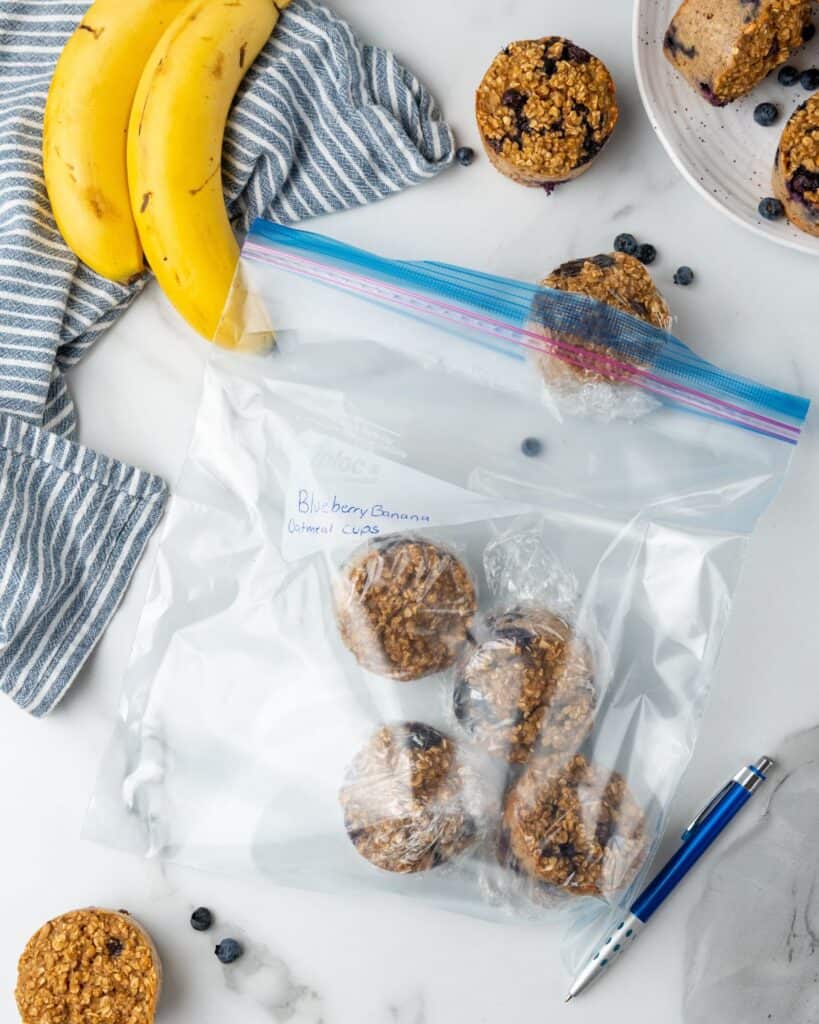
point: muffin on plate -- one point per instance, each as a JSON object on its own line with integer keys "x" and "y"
{"x": 796, "y": 170}
{"x": 545, "y": 109}
{"x": 724, "y": 48}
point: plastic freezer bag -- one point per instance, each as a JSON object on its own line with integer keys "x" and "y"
{"x": 384, "y": 647}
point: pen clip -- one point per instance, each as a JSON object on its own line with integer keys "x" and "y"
{"x": 712, "y": 803}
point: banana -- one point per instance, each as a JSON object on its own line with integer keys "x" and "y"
{"x": 174, "y": 155}
{"x": 86, "y": 118}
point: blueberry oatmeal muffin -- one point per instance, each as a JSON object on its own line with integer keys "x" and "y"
{"x": 545, "y": 109}
{"x": 724, "y": 48}
{"x": 620, "y": 281}
{"x": 796, "y": 171}
{"x": 528, "y": 687}
{"x": 573, "y": 827}
{"x": 404, "y": 608}
{"x": 89, "y": 967}
{"x": 410, "y": 802}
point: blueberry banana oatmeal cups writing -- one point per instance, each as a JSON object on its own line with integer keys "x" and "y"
{"x": 528, "y": 687}
{"x": 410, "y": 802}
{"x": 723, "y": 48}
{"x": 89, "y": 967}
{"x": 573, "y": 827}
{"x": 796, "y": 171}
{"x": 545, "y": 109}
{"x": 404, "y": 608}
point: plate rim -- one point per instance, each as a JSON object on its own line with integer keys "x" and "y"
{"x": 676, "y": 159}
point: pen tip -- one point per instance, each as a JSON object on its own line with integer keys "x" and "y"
{"x": 568, "y": 998}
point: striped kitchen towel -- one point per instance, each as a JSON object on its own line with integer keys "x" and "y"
{"x": 321, "y": 123}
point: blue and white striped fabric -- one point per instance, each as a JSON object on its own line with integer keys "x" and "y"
{"x": 321, "y": 123}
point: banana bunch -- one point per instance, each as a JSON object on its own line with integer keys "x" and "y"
{"x": 132, "y": 145}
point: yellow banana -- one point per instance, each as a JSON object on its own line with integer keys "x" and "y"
{"x": 175, "y": 150}
{"x": 86, "y": 118}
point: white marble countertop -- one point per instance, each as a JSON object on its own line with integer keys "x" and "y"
{"x": 380, "y": 960}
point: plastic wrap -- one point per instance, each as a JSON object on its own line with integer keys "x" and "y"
{"x": 601, "y": 388}
{"x": 392, "y": 643}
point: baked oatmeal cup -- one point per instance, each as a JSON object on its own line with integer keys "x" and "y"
{"x": 89, "y": 966}
{"x": 410, "y": 801}
{"x": 573, "y": 828}
{"x": 579, "y": 367}
{"x": 796, "y": 169}
{"x": 527, "y": 688}
{"x": 404, "y": 607}
{"x": 545, "y": 110}
{"x": 724, "y": 48}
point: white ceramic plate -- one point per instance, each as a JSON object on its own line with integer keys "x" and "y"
{"x": 721, "y": 151}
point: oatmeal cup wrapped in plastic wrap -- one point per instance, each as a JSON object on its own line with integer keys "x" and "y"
{"x": 528, "y": 683}
{"x": 404, "y": 607}
{"x": 388, "y": 645}
{"x": 582, "y": 374}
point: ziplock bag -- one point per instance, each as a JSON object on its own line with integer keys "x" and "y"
{"x": 387, "y": 645}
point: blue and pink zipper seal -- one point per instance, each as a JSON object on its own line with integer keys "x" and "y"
{"x": 501, "y": 313}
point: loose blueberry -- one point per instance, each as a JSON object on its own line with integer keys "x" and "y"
{"x": 766, "y": 114}
{"x": 114, "y": 947}
{"x": 201, "y": 919}
{"x": 810, "y": 79}
{"x": 228, "y": 951}
{"x": 465, "y": 155}
{"x": 789, "y": 75}
{"x": 626, "y": 243}
{"x": 531, "y": 447}
{"x": 646, "y": 253}
{"x": 808, "y": 32}
{"x": 684, "y": 276}
{"x": 771, "y": 209}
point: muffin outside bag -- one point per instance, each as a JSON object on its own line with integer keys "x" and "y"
{"x": 545, "y": 109}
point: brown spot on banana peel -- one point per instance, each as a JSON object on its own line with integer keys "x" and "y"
{"x": 198, "y": 189}
{"x": 242, "y": 52}
{"x": 218, "y": 66}
{"x": 145, "y": 200}
{"x": 157, "y": 70}
{"x": 96, "y": 200}
{"x": 95, "y": 32}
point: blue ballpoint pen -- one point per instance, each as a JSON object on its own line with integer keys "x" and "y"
{"x": 696, "y": 839}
